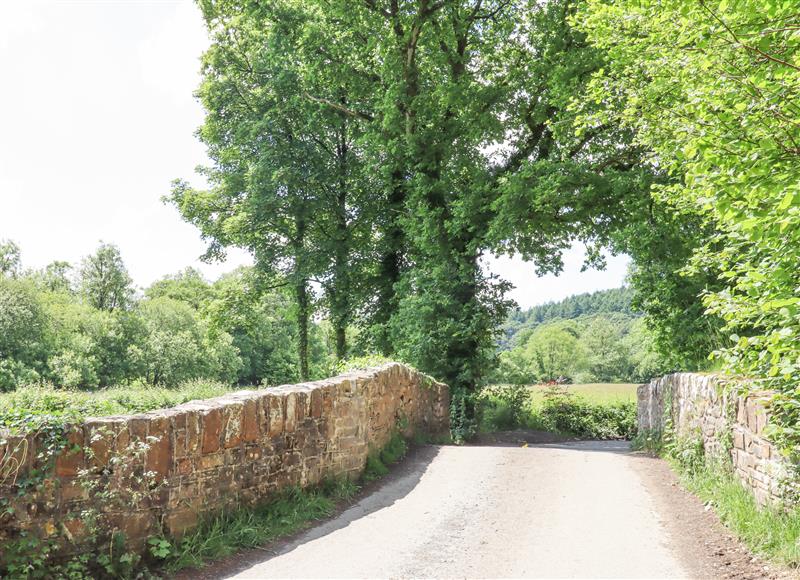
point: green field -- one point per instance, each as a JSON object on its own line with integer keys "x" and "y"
{"x": 594, "y": 392}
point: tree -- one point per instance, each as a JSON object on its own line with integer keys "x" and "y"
{"x": 608, "y": 358}
{"x": 55, "y": 277}
{"x": 710, "y": 87}
{"x": 447, "y": 146}
{"x": 260, "y": 323}
{"x": 104, "y": 280}
{"x": 554, "y": 351}
{"x": 187, "y": 286}
{"x": 285, "y": 165}
{"x": 24, "y": 334}
{"x": 179, "y": 346}
{"x": 10, "y": 258}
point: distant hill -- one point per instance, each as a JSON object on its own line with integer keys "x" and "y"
{"x": 616, "y": 300}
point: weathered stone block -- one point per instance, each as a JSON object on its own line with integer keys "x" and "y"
{"x": 159, "y": 455}
{"x": 250, "y": 428}
{"x": 212, "y": 430}
{"x": 233, "y": 424}
{"x": 71, "y": 459}
{"x": 275, "y": 416}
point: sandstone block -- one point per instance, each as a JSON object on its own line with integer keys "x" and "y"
{"x": 212, "y": 429}
{"x": 275, "y": 416}
{"x": 232, "y": 418}
{"x": 159, "y": 455}
{"x": 71, "y": 459}
{"x": 250, "y": 428}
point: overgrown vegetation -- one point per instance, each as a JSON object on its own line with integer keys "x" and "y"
{"x": 65, "y": 405}
{"x": 232, "y": 530}
{"x": 89, "y": 329}
{"x": 291, "y": 510}
{"x": 506, "y": 407}
{"x": 709, "y": 87}
{"x": 117, "y": 482}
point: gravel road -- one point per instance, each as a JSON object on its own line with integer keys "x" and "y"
{"x": 578, "y": 509}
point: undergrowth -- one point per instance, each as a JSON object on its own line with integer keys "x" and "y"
{"x": 506, "y": 407}
{"x": 247, "y": 527}
{"x": 291, "y": 510}
{"x": 45, "y": 401}
{"x": 772, "y": 531}
{"x": 378, "y": 462}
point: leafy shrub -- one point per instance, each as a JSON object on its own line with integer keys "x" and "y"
{"x": 564, "y": 412}
{"x": 504, "y": 406}
{"x": 378, "y": 461}
{"x": 230, "y": 531}
{"x": 687, "y": 452}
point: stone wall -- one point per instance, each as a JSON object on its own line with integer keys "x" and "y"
{"x": 729, "y": 423}
{"x": 166, "y": 469}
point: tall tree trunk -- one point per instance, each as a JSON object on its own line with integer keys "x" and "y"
{"x": 341, "y": 299}
{"x": 303, "y": 317}
{"x": 390, "y": 266}
{"x": 301, "y": 294}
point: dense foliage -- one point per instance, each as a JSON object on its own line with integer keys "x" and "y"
{"x": 586, "y": 338}
{"x": 595, "y": 348}
{"x": 710, "y": 87}
{"x": 379, "y": 149}
{"x": 558, "y": 411}
{"x": 90, "y": 329}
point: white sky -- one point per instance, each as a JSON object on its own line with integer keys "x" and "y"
{"x": 97, "y": 118}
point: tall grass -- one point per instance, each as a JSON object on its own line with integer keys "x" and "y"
{"x": 231, "y": 531}
{"x": 772, "y": 531}
{"x": 38, "y": 400}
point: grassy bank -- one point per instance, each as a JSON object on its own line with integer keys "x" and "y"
{"x": 600, "y": 393}
{"x": 290, "y": 511}
{"x": 772, "y": 531}
{"x": 231, "y": 531}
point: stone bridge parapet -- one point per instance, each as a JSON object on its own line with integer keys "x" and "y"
{"x": 731, "y": 421}
{"x": 165, "y": 470}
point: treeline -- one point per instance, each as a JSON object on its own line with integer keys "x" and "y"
{"x": 709, "y": 88}
{"x": 600, "y": 302}
{"x": 592, "y": 337}
{"x": 86, "y": 326}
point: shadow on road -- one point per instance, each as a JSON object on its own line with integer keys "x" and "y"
{"x": 400, "y": 481}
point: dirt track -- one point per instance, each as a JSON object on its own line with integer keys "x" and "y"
{"x": 573, "y": 509}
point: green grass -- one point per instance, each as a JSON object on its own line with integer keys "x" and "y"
{"x": 102, "y": 402}
{"x": 594, "y": 392}
{"x": 231, "y": 531}
{"x": 288, "y": 512}
{"x": 770, "y": 531}
{"x": 378, "y": 462}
